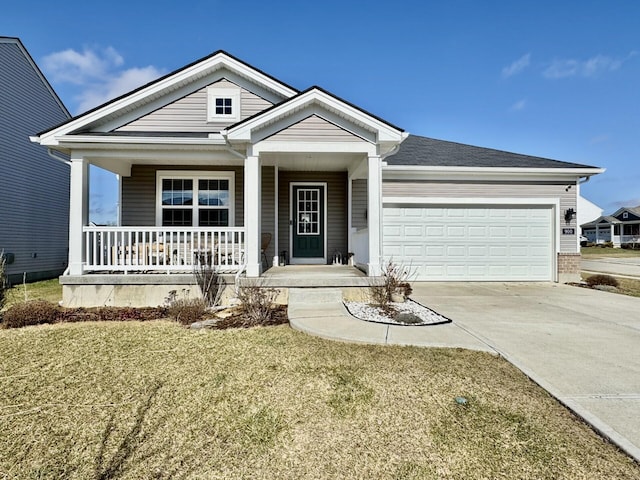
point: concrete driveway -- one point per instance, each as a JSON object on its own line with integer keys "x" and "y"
{"x": 625, "y": 266}
{"x": 581, "y": 345}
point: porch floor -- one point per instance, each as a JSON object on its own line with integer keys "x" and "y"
{"x": 315, "y": 276}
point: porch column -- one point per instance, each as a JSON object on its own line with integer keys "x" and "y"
{"x": 252, "y": 223}
{"x": 78, "y": 213}
{"x": 374, "y": 213}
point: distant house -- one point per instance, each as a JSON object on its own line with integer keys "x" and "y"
{"x": 621, "y": 228}
{"x": 218, "y": 155}
{"x": 34, "y": 187}
{"x": 587, "y": 211}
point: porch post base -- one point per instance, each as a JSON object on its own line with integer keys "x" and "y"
{"x": 253, "y": 270}
{"x": 373, "y": 270}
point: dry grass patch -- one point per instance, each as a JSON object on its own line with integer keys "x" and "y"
{"x": 595, "y": 252}
{"x": 153, "y": 400}
{"x": 49, "y": 290}
{"x": 626, "y": 286}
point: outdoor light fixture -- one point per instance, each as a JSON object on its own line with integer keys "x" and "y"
{"x": 569, "y": 214}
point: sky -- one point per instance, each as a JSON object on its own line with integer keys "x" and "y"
{"x": 555, "y": 79}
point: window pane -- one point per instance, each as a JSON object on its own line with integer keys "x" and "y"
{"x": 213, "y": 217}
{"x": 213, "y": 192}
{"x": 224, "y": 106}
{"x": 177, "y": 217}
{"x": 177, "y": 192}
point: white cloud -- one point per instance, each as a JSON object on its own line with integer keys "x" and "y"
{"x": 519, "y": 105}
{"x": 98, "y": 73}
{"x": 518, "y": 66}
{"x": 631, "y": 202}
{"x": 593, "y": 66}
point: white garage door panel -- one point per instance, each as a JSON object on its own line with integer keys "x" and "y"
{"x": 499, "y": 243}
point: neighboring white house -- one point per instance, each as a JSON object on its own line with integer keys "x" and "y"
{"x": 34, "y": 188}
{"x": 217, "y": 153}
{"x": 587, "y": 211}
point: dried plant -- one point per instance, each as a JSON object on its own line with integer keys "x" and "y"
{"x": 3, "y": 280}
{"x": 210, "y": 281}
{"x": 394, "y": 279}
{"x": 256, "y": 301}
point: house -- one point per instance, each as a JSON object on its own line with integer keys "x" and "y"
{"x": 34, "y": 187}
{"x": 587, "y": 211}
{"x": 622, "y": 228}
{"x": 216, "y": 154}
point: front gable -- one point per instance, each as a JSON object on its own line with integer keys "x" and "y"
{"x": 626, "y": 215}
{"x": 315, "y": 116}
{"x": 190, "y": 113}
{"x": 170, "y": 90}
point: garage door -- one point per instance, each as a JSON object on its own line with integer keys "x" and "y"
{"x": 488, "y": 243}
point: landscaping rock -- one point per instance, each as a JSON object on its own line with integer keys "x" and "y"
{"x": 203, "y": 324}
{"x": 408, "y": 319}
{"x": 605, "y": 288}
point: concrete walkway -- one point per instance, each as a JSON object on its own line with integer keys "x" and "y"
{"x": 320, "y": 312}
{"x": 581, "y": 345}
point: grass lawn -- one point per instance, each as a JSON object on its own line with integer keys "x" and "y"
{"x": 50, "y": 290}
{"x": 595, "y": 252}
{"x": 153, "y": 400}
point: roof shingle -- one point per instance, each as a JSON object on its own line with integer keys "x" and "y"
{"x": 424, "y": 151}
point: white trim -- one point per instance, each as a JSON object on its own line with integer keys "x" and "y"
{"x": 211, "y": 139}
{"x": 473, "y": 200}
{"x": 307, "y": 260}
{"x": 215, "y": 92}
{"x": 473, "y": 173}
{"x": 196, "y": 175}
{"x": 553, "y": 203}
{"x": 265, "y": 146}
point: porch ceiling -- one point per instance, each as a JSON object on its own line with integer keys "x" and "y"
{"x": 313, "y": 161}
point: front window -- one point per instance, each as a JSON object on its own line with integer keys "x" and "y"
{"x": 195, "y": 199}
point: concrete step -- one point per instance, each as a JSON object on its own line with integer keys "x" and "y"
{"x": 304, "y": 297}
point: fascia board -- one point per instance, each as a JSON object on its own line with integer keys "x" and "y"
{"x": 243, "y": 131}
{"x": 70, "y": 140}
{"x": 470, "y": 173}
{"x": 207, "y": 66}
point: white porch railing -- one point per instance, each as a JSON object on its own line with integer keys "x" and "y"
{"x": 162, "y": 249}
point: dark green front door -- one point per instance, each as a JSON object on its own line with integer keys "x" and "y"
{"x": 308, "y": 221}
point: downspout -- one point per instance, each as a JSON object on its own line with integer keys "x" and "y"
{"x": 56, "y": 157}
{"x": 229, "y": 148}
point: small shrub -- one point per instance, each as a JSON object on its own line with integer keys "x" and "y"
{"x": 187, "y": 310}
{"x": 257, "y": 302}
{"x": 394, "y": 279}
{"x": 35, "y": 312}
{"x": 210, "y": 281}
{"x": 602, "y": 280}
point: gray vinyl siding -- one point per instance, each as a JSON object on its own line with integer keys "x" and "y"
{"x": 435, "y": 189}
{"x": 314, "y": 129}
{"x": 189, "y": 114}
{"x": 139, "y": 193}
{"x": 268, "y": 209}
{"x": 336, "y": 208}
{"x": 34, "y": 188}
{"x": 359, "y": 203}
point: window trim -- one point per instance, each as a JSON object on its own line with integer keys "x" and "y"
{"x": 215, "y": 92}
{"x": 196, "y": 175}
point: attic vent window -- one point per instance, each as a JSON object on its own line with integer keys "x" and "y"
{"x": 223, "y": 104}
{"x": 625, "y": 215}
